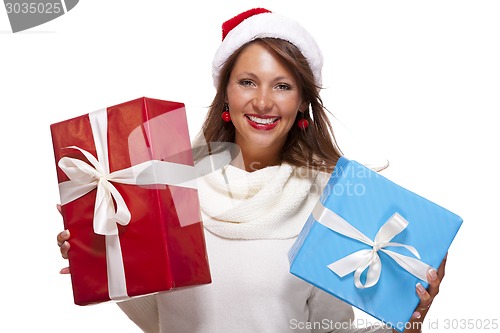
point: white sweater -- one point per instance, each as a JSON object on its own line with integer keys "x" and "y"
{"x": 252, "y": 289}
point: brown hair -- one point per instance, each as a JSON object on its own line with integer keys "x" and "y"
{"x": 315, "y": 147}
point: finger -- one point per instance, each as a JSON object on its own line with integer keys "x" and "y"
{"x": 425, "y": 302}
{"x": 427, "y": 296}
{"x": 62, "y": 237}
{"x": 434, "y": 282}
{"x": 65, "y": 270}
{"x": 64, "y": 249}
{"x": 416, "y": 315}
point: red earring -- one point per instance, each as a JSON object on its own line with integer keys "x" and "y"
{"x": 225, "y": 115}
{"x": 303, "y": 123}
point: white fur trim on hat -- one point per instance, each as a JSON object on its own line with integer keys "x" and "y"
{"x": 269, "y": 25}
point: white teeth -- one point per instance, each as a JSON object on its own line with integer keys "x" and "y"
{"x": 262, "y": 121}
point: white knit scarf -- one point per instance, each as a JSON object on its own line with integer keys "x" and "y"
{"x": 271, "y": 203}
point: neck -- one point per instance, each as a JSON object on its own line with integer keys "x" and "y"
{"x": 256, "y": 159}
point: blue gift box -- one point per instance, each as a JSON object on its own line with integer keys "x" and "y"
{"x": 361, "y": 198}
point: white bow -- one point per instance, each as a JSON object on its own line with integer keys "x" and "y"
{"x": 361, "y": 260}
{"x": 85, "y": 177}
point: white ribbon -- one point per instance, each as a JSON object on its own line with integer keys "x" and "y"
{"x": 361, "y": 260}
{"x": 85, "y": 177}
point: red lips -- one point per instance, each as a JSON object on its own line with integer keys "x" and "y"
{"x": 262, "y": 122}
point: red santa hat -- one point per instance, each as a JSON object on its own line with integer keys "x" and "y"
{"x": 262, "y": 23}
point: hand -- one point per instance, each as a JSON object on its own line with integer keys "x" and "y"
{"x": 62, "y": 242}
{"x": 426, "y": 297}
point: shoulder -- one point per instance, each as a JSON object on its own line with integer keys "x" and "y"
{"x": 315, "y": 175}
{"x": 317, "y": 178}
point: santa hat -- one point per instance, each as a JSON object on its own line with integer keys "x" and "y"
{"x": 262, "y": 23}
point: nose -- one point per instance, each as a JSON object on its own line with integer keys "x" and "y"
{"x": 262, "y": 100}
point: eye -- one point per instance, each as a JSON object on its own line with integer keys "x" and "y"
{"x": 245, "y": 83}
{"x": 283, "y": 86}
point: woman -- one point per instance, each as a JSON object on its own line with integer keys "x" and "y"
{"x": 267, "y": 73}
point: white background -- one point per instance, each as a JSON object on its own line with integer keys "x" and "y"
{"x": 416, "y": 82}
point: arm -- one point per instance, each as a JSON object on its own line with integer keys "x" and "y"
{"x": 143, "y": 311}
{"x": 331, "y": 314}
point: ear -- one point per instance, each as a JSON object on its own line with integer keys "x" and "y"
{"x": 303, "y": 107}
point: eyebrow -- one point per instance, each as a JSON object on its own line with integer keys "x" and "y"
{"x": 278, "y": 78}
{"x": 247, "y": 74}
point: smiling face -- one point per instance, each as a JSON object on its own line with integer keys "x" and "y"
{"x": 264, "y": 98}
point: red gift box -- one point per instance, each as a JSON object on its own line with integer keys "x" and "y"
{"x": 130, "y": 163}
